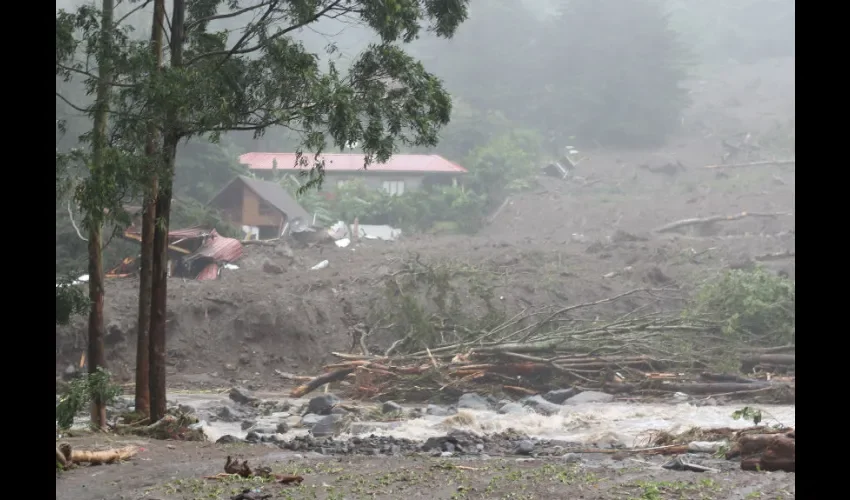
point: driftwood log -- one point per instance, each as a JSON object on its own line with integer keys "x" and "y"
{"x": 327, "y": 378}
{"x": 717, "y": 387}
{"x": 774, "y": 163}
{"x": 726, "y": 377}
{"x": 71, "y": 456}
{"x": 707, "y": 221}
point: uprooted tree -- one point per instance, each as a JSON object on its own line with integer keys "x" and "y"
{"x": 218, "y": 80}
{"x": 440, "y": 330}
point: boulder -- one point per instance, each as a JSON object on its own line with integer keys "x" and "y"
{"x": 310, "y": 419}
{"x": 328, "y": 426}
{"x": 440, "y": 411}
{"x": 540, "y": 405}
{"x": 589, "y": 397}
{"x": 525, "y": 447}
{"x": 512, "y": 408}
{"x": 322, "y": 405}
{"x": 242, "y": 395}
{"x": 558, "y": 396}
{"x": 391, "y": 407}
{"x": 473, "y": 401}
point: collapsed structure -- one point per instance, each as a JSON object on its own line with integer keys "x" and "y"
{"x": 196, "y": 253}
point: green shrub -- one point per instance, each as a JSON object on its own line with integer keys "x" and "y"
{"x": 80, "y": 393}
{"x": 753, "y": 305}
{"x": 70, "y": 299}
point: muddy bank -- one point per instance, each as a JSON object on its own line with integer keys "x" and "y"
{"x": 175, "y": 471}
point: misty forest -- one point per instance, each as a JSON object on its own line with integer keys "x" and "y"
{"x": 482, "y": 249}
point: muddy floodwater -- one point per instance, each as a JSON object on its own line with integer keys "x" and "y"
{"x": 625, "y": 423}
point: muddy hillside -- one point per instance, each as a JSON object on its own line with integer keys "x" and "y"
{"x": 607, "y": 229}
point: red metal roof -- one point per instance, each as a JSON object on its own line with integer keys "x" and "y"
{"x": 220, "y": 248}
{"x": 216, "y": 247}
{"x": 352, "y": 162}
{"x": 208, "y": 273}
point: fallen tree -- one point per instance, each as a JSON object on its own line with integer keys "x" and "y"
{"x": 540, "y": 350}
{"x": 706, "y": 224}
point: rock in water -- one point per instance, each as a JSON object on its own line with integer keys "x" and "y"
{"x": 228, "y": 439}
{"x": 322, "y": 405}
{"x": 242, "y": 395}
{"x": 525, "y": 447}
{"x": 473, "y": 401}
{"x": 540, "y": 405}
{"x": 512, "y": 408}
{"x": 330, "y": 425}
{"x": 310, "y": 419}
{"x": 391, "y": 407}
{"x": 589, "y": 397}
{"x": 439, "y": 411}
{"x": 558, "y": 396}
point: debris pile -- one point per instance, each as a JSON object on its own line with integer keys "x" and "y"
{"x": 196, "y": 253}
{"x": 760, "y": 448}
{"x": 537, "y": 351}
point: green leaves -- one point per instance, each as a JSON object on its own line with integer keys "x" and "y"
{"x": 83, "y": 389}
{"x": 748, "y": 413}
{"x": 753, "y": 305}
{"x": 70, "y": 299}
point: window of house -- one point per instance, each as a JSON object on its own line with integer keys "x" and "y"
{"x": 265, "y": 209}
{"x": 395, "y": 188}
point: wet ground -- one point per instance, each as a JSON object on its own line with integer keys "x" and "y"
{"x": 571, "y": 455}
{"x": 176, "y": 470}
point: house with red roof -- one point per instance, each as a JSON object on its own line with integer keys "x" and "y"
{"x": 401, "y": 173}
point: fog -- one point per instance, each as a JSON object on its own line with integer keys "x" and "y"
{"x": 636, "y": 83}
{"x": 608, "y": 214}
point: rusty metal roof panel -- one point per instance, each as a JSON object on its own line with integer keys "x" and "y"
{"x": 220, "y": 248}
{"x": 352, "y": 162}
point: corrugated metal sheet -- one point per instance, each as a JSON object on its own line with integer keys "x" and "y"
{"x": 220, "y": 248}
{"x": 353, "y": 162}
{"x": 209, "y": 273}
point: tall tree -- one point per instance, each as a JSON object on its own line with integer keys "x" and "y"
{"x": 615, "y": 72}
{"x": 94, "y": 215}
{"x": 152, "y": 152}
{"x": 263, "y": 77}
{"x": 110, "y": 176}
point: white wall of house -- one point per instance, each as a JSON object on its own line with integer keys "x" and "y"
{"x": 393, "y": 183}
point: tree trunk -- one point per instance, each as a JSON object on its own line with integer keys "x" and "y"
{"x": 96, "y": 356}
{"x": 148, "y": 223}
{"x": 159, "y": 283}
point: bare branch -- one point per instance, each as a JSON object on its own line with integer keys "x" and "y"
{"x": 74, "y": 106}
{"x": 92, "y": 75}
{"x": 236, "y": 48}
{"x": 132, "y": 11}
{"x": 73, "y": 223}
{"x": 236, "y": 13}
